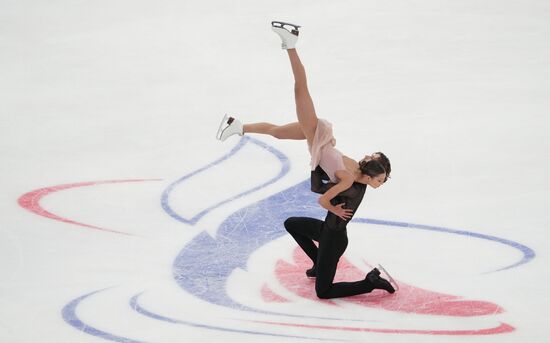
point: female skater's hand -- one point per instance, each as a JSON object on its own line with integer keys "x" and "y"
{"x": 343, "y": 213}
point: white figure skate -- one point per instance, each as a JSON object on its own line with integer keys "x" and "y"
{"x": 288, "y": 33}
{"x": 229, "y": 127}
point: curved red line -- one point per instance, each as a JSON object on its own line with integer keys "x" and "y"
{"x": 31, "y": 201}
{"x": 502, "y": 328}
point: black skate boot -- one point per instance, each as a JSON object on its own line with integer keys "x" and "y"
{"x": 312, "y": 272}
{"x": 377, "y": 282}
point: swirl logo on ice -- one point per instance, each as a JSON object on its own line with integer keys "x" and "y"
{"x": 214, "y": 270}
{"x": 249, "y": 275}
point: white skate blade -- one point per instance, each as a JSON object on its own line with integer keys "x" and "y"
{"x": 388, "y": 276}
{"x": 220, "y": 128}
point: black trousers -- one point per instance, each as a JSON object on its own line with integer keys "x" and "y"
{"x": 332, "y": 244}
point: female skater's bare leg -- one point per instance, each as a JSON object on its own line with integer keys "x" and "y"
{"x": 288, "y": 131}
{"x": 305, "y": 110}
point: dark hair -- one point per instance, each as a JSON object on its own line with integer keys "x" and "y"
{"x": 371, "y": 168}
{"x": 385, "y": 161}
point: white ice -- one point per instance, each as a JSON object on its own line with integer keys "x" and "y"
{"x": 456, "y": 93}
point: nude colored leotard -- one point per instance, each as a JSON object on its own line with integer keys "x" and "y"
{"x": 323, "y": 153}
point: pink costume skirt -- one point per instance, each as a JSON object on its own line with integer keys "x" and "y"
{"x": 323, "y": 152}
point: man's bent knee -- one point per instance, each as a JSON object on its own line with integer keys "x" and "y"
{"x": 290, "y": 224}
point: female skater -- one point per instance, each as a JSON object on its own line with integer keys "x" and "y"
{"x": 372, "y": 170}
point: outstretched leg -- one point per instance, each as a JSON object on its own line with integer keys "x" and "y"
{"x": 288, "y": 131}
{"x": 305, "y": 110}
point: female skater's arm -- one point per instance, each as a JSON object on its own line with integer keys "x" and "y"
{"x": 346, "y": 180}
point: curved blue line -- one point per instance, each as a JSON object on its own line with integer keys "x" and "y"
{"x": 165, "y": 201}
{"x": 528, "y": 253}
{"x": 69, "y": 315}
{"x": 141, "y": 310}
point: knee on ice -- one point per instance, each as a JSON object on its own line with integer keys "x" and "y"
{"x": 322, "y": 293}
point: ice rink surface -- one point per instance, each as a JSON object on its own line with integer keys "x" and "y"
{"x": 123, "y": 219}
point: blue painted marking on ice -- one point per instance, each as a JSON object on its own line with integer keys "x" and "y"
{"x": 205, "y": 264}
{"x": 134, "y": 303}
{"x": 69, "y": 315}
{"x": 528, "y": 253}
{"x": 165, "y": 198}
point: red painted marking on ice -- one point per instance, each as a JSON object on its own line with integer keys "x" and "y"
{"x": 408, "y": 299}
{"x": 269, "y": 296}
{"x": 288, "y": 276}
{"x": 502, "y": 328}
{"x": 31, "y": 201}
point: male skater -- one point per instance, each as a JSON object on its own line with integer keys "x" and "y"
{"x": 332, "y": 237}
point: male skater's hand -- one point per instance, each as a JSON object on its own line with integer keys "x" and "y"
{"x": 343, "y": 213}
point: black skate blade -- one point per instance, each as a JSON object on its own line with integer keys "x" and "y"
{"x": 281, "y": 24}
